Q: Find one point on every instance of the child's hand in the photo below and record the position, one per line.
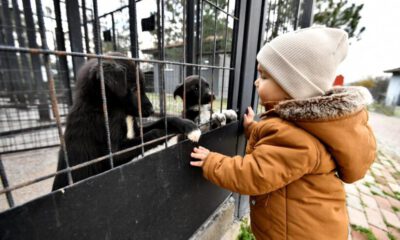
(249, 117)
(201, 154)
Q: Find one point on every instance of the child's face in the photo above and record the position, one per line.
(267, 88)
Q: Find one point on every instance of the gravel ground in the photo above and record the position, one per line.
(25, 166)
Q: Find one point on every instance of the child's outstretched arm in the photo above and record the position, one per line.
(275, 161)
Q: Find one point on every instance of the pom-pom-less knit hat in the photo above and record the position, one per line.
(304, 62)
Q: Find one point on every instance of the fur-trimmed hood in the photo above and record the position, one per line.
(336, 103)
(339, 119)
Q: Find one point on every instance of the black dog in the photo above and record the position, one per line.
(197, 90)
(85, 133)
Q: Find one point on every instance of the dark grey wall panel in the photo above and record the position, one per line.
(158, 197)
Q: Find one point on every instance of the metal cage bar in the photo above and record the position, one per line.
(102, 84)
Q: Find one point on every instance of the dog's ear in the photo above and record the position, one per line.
(114, 77)
(178, 91)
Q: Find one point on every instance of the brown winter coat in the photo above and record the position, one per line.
(296, 159)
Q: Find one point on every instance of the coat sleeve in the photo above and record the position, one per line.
(276, 161)
(249, 129)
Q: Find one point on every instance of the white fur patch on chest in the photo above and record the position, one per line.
(205, 113)
(130, 133)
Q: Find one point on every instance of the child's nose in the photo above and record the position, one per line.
(256, 83)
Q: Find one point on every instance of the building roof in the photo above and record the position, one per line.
(395, 70)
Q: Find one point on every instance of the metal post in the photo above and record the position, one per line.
(307, 17)
(249, 32)
(43, 107)
(15, 79)
(296, 14)
(75, 33)
(21, 41)
(4, 74)
(133, 28)
(96, 32)
(189, 35)
(113, 32)
(198, 40)
(161, 54)
(85, 27)
(64, 73)
(4, 180)
(99, 50)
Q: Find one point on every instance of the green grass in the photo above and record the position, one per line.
(390, 225)
(396, 209)
(381, 108)
(395, 195)
(367, 184)
(245, 231)
(396, 175)
(375, 193)
(390, 236)
(367, 232)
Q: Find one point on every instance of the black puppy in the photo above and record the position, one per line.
(85, 133)
(197, 90)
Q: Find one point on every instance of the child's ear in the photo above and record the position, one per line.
(178, 91)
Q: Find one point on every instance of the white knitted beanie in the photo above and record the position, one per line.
(304, 62)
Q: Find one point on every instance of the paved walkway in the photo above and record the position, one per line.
(374, 202)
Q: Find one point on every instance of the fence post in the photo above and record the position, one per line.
(64, 73)
(43, 106)
(133, 29)
(4, 180)
(75, 33)
(308, 12)
(250, 30)
(189, 35)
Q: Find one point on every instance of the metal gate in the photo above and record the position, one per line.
(158, 196)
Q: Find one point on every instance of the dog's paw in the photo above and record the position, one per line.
(230, 115)
(220, 118)
(194, 135)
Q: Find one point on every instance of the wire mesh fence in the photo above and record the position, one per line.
(44, 44)
(38, 72)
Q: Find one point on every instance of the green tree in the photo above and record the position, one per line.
(283, 16)
(340, 14)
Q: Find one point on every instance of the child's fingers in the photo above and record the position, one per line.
(197, 155)
(251, 112)
(200, 150)
(197, 163)
(205, 149)
(196, 150)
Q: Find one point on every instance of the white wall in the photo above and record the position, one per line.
(393, 91)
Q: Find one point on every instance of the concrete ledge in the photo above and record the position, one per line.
(218, 224)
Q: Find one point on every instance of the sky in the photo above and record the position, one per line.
(379, 47)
